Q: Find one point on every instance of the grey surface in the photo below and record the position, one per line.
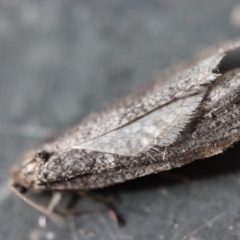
(63, 59)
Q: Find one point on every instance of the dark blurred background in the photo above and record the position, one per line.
(60, 60)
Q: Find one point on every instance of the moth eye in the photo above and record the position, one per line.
(20, 188)
(30, 168)
(43, 155)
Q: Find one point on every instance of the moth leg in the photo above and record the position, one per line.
(96, 198)
(107, 202)
(53, 216)
(69, 210)
(55, 200)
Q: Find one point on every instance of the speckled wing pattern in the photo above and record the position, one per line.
(160, 99)
(160, 127)
(154, 117)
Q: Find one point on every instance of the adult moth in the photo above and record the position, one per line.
(178, 118)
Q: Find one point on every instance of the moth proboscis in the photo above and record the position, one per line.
(176, 119)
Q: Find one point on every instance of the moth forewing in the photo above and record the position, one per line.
(154, 129)
(137, 104)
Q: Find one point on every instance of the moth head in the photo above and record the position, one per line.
(24, 175)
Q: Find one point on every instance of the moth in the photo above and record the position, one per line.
(176, 119)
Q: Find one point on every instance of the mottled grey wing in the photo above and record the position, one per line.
(155, 114)
(154, 96)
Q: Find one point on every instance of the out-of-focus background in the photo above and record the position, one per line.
(60, 60)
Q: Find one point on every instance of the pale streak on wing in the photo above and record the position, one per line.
(159, 93)
(160, 127)
(169, 87)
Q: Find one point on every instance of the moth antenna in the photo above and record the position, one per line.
(53, 216)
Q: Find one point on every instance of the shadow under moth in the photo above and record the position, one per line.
(178, 118)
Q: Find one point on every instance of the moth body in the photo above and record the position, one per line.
(175, 120)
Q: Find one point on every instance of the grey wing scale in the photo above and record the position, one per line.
(139, 104)
(160, 127)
